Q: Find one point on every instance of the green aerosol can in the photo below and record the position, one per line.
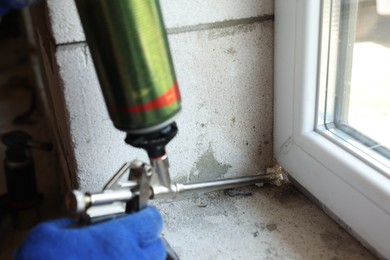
(130, 50)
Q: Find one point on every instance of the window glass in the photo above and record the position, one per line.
(354, 81)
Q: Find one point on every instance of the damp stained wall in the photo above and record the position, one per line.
(223, 56)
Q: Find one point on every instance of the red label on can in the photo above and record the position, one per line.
(168, 98)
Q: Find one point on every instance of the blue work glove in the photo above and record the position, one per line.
(135, 236)
(8, 5)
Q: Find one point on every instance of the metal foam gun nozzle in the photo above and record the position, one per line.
(152, 182)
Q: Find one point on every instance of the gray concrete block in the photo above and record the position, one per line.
(225, 127)
(67, 28)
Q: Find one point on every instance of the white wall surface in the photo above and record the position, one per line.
(67, 27)
(223, 55)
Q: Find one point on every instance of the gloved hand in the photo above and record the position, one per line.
(135, 236)
(7, 5)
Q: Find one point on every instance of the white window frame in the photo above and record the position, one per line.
(348, 188)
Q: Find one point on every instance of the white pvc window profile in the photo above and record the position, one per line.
(338, 38)
(349, 188)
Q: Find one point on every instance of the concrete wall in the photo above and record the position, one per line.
(223, 55)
